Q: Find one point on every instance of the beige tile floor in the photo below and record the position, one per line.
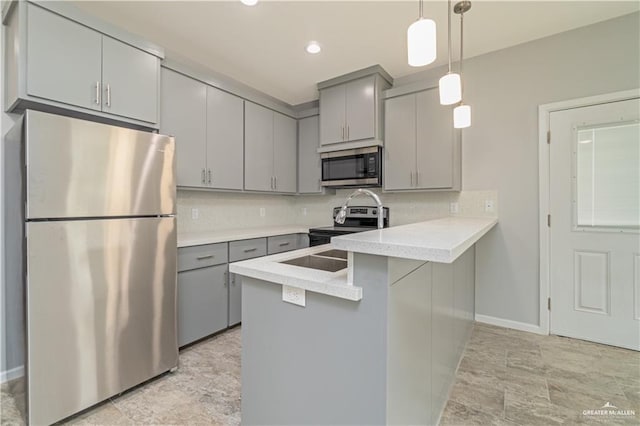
(506, 377)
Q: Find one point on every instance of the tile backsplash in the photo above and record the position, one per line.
(220, 210)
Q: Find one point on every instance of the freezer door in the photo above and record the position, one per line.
(101, 310)
(78, 168)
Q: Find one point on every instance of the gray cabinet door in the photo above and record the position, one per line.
(184, 115)
(435, 140)
(235, 299)
(64, 59)
(202, 303)
(309, 164)
(285, 154)
(332, 115)
(360, 109)
(258, 147)
(130, 80)
(400, 143)
(225, 140)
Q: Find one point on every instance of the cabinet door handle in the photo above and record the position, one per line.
(226, 279)
(275, 182)
(203, 176)
(417, 178)
(411, 174)
(97, 93)
(342, 132)
(347, 132)
(108, 95)
(284, 244)
(208, 256)
(209, 176)
(233, 279)
(249, 250)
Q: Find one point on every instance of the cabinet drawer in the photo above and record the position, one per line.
(200, 256)
(281, 243)
(247, 249)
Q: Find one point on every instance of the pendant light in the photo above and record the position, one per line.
(450, 84)
(461, 113)
(421, 41)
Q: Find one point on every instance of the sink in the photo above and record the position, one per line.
(318, 262)
(338, 254)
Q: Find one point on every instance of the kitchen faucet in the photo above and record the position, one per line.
(342, 214)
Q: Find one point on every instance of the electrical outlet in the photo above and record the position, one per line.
(263, 212)
(488, 205)
(294, 295)
(195, 214)
(454, 208)
(304, 211)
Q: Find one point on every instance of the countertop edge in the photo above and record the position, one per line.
(212, 237)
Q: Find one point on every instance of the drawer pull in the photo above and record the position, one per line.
(284, 244)
(249, 250)
(209, 256)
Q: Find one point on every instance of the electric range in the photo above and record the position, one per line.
(359, 219)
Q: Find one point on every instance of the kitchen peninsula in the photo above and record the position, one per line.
(375, 339)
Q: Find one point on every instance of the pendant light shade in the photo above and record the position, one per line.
(450, 89)
(421, 42)
(462, 116)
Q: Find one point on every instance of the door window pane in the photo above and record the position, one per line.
(607, 188)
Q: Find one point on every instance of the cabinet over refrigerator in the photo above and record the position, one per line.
(91, 249)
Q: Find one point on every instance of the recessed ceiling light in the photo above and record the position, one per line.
(249, 2)
(313, 47)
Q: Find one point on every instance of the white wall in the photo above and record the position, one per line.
(500, 150)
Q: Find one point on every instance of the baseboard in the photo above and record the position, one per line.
(14, 373)
(515, 325)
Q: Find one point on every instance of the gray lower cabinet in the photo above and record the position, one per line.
(241, 250)
(208, 126)
(422, 149)
(202, 291)
(58, 62)
(202, 303)
(282, 243)
(270, 150)
(309, 163)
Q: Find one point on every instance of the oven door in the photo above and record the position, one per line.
(354, 167)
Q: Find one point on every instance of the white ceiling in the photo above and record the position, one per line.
(263, 46)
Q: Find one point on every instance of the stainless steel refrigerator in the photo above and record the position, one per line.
(91, 249)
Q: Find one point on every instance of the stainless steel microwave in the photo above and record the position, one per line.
(352, 167)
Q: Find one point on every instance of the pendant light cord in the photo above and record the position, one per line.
(449, 28)
(461, 54)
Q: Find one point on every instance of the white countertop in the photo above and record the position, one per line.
(199, 238)
(269, 269)
(438, 240)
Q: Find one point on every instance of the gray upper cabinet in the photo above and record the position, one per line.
(52, 62)
(351, 108)
(309, 165)
(208, 126)
(270, 150)
(225, 136)
(284, 153)
(64, 60)
(183, 114)
(258, 141)
(422, 149)
(332, 111)
(361, 109)
(130, 79)
(400, 142)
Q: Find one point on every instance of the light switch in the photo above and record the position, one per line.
(263, 212)
(454, 208)
(195, 214)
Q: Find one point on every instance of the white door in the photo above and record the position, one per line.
(595, 223)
